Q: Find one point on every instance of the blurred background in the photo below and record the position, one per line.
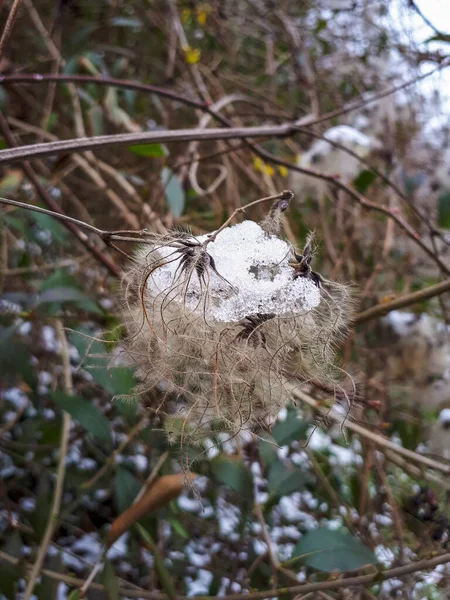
(92, 493)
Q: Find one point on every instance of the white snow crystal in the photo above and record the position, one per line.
(119, 548)
(199, 585)
(332, 160)
(444, 415)
(255, 277)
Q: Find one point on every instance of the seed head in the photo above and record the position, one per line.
(216, 326)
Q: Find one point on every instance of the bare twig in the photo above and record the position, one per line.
(56, 505)
(414, 6)
(151, 478)
(9, 25)
(111, 460)
(379, 440)
(48, 200)
(36, 78)
(37, 150)
(303, 588)
(286, 195)
(126, 139)
(385, 307)
(69, 262)
(10, 424)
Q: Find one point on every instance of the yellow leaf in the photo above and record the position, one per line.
(258, 164)
(387, 298)
(191, 55)
(268, 170)
(283, 171)
(201, 17)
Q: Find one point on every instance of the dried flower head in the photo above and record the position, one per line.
(216, 323)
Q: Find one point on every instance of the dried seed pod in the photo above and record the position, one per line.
(215, 323)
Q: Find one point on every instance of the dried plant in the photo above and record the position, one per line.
(216, 322)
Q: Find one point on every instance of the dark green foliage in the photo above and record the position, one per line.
(332, 550)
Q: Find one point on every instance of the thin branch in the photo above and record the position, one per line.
(108, 236)
(55, 215)
(385, 307)
(286, 129)
(286, 195)
(36, 78)
(362, 200)
(425, 19)
(57, 497)
(49, 201)
(9, 25)
(68, 262)
(379, 440)
(111, 460)
(31, 151)
(333, 584)
(151, 478)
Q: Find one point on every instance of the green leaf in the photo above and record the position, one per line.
(178, 528)
(440, 37)
(364, 180)
(43, 504)
(444, 210)
(62, 279)
(95, 359)
(15, 223)
(332, 550)
(126, 488)
(48, 587)
(15, 358)
(290, 430)
(321, 24)
(151, 150)
(50, 432)
(173, 191)
(10, 182)
(95, 116)
(85, 413)
(233, 473)
(59, 233)
(59, 295)
(59, 278)
(283, 480)
(51, 121)
(267, 450)
(411, 432)
(110, 581)
(10, 574)
(162, 571)
(74, 595)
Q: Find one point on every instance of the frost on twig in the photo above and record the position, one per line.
(216, 322)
